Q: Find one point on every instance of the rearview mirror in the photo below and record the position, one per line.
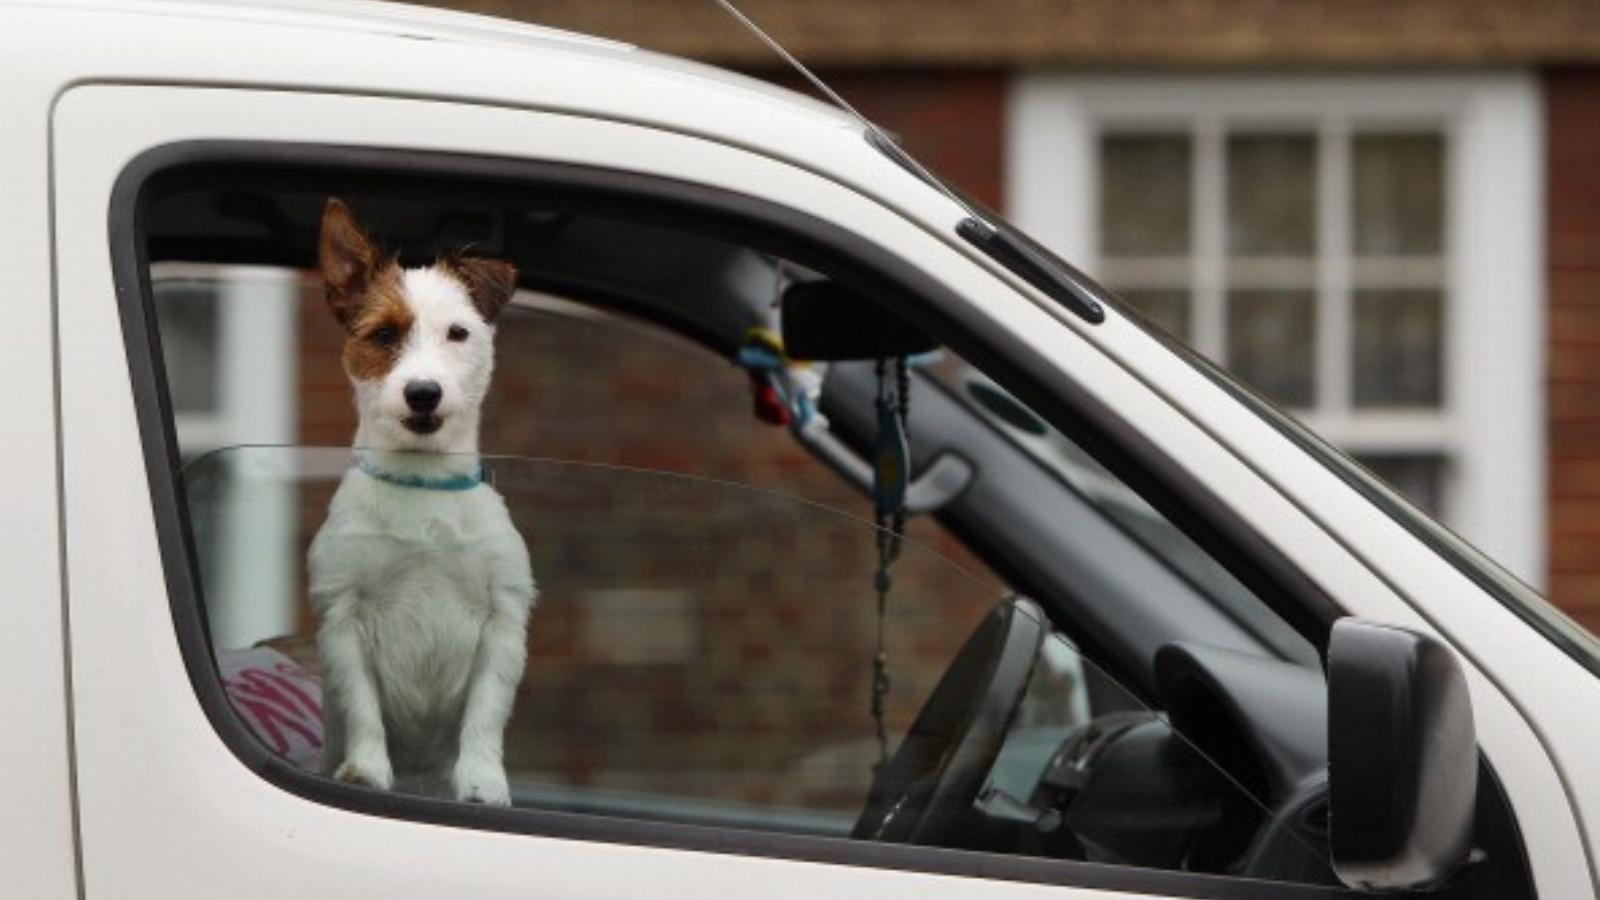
(827, 321)
(1402, 758)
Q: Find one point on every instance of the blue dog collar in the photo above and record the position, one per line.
(453, 483)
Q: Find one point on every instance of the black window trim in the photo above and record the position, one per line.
(1143, 464)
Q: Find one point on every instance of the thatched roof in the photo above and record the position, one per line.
(1098, 33)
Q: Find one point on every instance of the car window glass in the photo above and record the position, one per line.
(702, 652)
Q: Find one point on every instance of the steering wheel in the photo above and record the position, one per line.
(925, 792)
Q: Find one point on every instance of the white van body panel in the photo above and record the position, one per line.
(37, 841)
(90, 86)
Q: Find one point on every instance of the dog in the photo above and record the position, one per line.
(421, 583)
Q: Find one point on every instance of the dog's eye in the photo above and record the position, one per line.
(457, 333)
(385, 336)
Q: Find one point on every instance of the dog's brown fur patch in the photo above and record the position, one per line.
(489, 282)
(378, 326)
(364, 293)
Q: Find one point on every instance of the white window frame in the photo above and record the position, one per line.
(1491, 428)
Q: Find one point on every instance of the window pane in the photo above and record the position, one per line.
(1169, 310)
(1419, 478)
(699, 651)
(1144, 195)
(1399, 194)
(1271, 195)
(1399, 337)
(703, 653)
(1271, 335)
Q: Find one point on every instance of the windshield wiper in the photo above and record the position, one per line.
(1028, 261)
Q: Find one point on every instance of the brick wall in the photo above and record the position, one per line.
(1572, 99)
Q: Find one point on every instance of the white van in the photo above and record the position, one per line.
(1143, 635)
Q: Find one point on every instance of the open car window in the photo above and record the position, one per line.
(1053, 675)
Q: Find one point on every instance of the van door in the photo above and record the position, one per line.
(170, 794)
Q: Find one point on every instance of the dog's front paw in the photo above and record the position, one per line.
(482, 781)
(369, 769)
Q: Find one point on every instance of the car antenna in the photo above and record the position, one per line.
(879, 138)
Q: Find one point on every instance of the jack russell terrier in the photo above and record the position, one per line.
(422, 584)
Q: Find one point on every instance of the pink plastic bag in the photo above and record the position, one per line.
(280, 702)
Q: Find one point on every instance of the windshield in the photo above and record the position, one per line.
(1575, 640)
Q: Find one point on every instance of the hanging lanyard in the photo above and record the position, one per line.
(891, 468)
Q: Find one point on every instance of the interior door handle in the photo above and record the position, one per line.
(941, 481)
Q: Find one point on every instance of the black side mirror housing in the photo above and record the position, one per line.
(1402, 758)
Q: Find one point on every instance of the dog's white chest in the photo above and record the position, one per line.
(417, 570)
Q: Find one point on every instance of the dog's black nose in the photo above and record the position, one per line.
(423, 396)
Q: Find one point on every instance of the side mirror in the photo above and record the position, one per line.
(1402, 758)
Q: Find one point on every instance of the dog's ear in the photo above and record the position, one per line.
(347, 258)
(490, 282)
